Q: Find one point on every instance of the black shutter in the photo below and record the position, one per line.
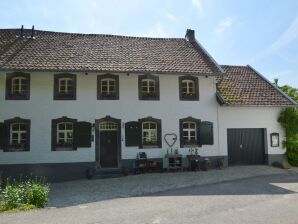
(157, 87)
(181, 133)
(2, 136)
(133, 135)
(54, 135)
(159, 140)
(82, 134)
(206, 133)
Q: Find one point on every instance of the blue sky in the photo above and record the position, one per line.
(262, 33)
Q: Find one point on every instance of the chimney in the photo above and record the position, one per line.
(190, 35)
(32, 32)
(22, 31)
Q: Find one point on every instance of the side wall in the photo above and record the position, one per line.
(252, 117)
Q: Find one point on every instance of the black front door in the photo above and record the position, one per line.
(246, 146)
(108, 149)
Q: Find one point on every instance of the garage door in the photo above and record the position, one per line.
(246, 146)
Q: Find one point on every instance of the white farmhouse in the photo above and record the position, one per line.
(72, 101)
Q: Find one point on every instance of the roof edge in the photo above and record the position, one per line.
(210, 57)
(275, 87)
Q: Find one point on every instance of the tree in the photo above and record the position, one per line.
(289, 90)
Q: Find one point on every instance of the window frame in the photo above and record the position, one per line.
(158, 143)
(149, 96)
(183, 143)
(55, 144)
(57, 79)
(195, 96)
(9, 85)
(9, 146)
(100, 95)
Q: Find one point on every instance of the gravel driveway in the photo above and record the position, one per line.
(86, 191)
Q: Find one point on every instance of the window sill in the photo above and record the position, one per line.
(64, 149)
(150, 146)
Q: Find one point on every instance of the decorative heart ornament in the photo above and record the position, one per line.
(170, 139)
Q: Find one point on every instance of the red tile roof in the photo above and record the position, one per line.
(53, 51)
(242, 85)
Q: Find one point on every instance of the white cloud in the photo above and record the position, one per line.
(224, 25)
(156, 31)
(285, 39)
(172, 17)
(199, 5)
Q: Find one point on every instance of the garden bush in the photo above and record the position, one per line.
(24, 194)
(288, 119)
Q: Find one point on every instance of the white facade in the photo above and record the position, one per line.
(41, 109)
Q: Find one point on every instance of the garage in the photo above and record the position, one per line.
(246, 146)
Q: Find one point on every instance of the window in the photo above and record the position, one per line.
(63, 134)
(64, 87)
(17, 132)
(108, 126)
(188, 88)
(18, 86)
(148, 87)
(189, 132)
(108, 87)
(150, 132)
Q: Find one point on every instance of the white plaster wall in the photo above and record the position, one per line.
(250, 117)
(41, 109)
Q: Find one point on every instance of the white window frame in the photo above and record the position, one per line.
(19, 133)
(65, 133)
(67, 85)
(188, 91)
(20, 86)
(147, 86)
(189, 130)
(152, 132)
(108, 126)
(108, 91)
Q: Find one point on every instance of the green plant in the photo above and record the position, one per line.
(288, 119)
(24, 194)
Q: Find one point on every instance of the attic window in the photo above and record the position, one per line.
(18, 86)
(64, 87)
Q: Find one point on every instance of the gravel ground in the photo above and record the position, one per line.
(86, 191)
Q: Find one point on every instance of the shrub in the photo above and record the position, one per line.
(24, 194)
(288, 119)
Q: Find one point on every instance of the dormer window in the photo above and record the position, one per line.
(18, 86)
(188, 88)
(64, 87)
(108, 87)
(148, 87)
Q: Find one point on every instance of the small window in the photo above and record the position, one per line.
(17, 134)
(63, 134)
(64, 87)
(148, 87)
(150, 132)
(108, 87)
(108, 126)
(189, 88)
(18, 86)
(189, 132)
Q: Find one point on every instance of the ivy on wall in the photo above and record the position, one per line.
(288, 119)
